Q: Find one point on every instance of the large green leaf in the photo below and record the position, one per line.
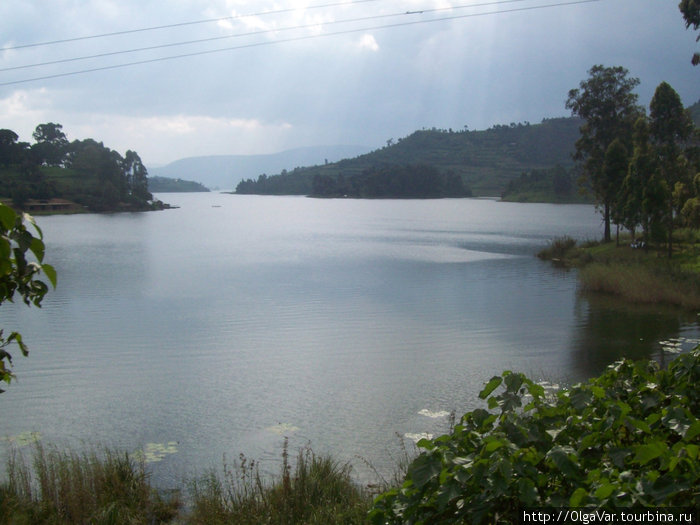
(7, 217)
(492, 385)
(643, 454)
(425, 468)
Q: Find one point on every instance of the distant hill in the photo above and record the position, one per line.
(226, 171)
(166, 185)
(485, 160)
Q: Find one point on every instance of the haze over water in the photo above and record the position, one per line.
(233, 321)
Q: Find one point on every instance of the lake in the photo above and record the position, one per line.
(351, 325)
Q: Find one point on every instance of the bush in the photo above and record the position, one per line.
(627, 438)
(558, 249)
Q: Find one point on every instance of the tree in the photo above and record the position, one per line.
(691, 13)
(670, 128)
(136, 177)
(8, 147)
(608, 105)
(615, 167)
(640, 191)
(19, 276)
(51, 144)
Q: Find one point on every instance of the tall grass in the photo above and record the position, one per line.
(69, 488)
(642, 283)
(318, 490)
(112, 488)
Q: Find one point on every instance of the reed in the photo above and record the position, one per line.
(318, 490)
(642, 283)
(61, 487)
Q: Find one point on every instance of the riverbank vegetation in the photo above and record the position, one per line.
(54, 174)
(628, 438)
(633, 270)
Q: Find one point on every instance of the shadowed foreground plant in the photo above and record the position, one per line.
(627, 438)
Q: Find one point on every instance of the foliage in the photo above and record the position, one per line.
(165, 185)
(83, 171)
(691, 14)
(20, 275)
(486, 160)
(608, 105)
(556, 184)
(627, 438)
(69, 488)
(318, 491)
(411, 181)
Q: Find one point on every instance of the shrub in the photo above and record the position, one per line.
(627, 438)
(558, 249)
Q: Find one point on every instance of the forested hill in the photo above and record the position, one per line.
(485, 160)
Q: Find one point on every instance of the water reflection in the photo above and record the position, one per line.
(609, 329)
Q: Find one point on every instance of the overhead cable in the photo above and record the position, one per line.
(257, 33)
(293, 39)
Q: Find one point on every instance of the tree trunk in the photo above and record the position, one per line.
(606, 219)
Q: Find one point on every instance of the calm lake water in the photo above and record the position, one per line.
(224, 325)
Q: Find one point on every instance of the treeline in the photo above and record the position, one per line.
(83, 171)
(168, 185)
(644, 170)
(402, 182)
(556, 184)
(486, 160)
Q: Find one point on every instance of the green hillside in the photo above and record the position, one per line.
(485, 160)
(168, 185)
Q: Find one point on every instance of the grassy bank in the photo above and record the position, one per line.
(640, 275)
(49, 486)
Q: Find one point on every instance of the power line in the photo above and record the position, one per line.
(181, 24)
(294, 39)
(255, 33)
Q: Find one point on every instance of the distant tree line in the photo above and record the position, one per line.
(83, 170)
(644, 170)
(403, 182)
(557, 184)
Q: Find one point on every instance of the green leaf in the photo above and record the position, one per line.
(604, 491)
(693, 431)
(495, 444)
(645, 453)
(598, 392)
(50, 273)
(492, 385)
(577, 497)
(37, 248)
(425, 468)
(7, 217)
(560, 457)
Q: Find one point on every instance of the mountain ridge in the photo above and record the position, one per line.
(226, 171)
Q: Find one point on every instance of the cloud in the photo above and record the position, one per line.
(368, 41)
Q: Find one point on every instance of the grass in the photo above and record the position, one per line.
(634, 274)
(68, 488)
(318, 490)
(110, 487)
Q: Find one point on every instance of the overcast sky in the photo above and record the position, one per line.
(282, 82)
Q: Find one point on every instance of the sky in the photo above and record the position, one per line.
(272, 75)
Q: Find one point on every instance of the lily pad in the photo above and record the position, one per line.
(154, 452)
(23, 439)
